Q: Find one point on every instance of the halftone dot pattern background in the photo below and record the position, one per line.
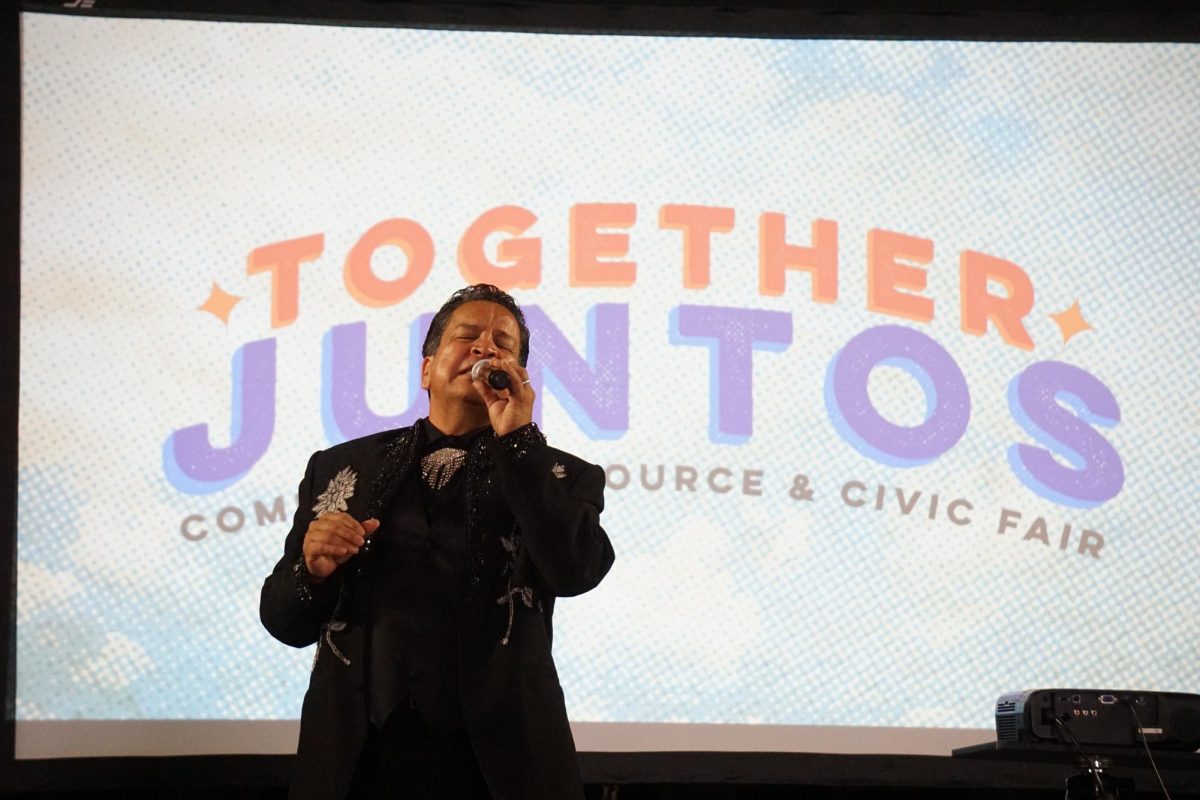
(157, 154)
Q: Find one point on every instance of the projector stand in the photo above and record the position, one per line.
(1094, 784)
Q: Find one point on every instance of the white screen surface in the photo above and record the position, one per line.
(900, 270)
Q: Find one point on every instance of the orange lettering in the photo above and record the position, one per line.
(885, 274)
(588, 244)
(978, 305)
(698, 224)
(776, 256)
(520, 260)
(283, 260)
(371, 290)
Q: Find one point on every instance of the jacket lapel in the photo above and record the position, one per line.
(399, 459)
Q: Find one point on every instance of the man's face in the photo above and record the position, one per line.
(478, 329)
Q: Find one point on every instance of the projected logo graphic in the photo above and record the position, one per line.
(1058, 405)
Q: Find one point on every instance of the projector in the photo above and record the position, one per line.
(1086, 717)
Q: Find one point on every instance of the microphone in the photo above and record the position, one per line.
(497, 378)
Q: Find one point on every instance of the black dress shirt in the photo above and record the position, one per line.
(418, 584)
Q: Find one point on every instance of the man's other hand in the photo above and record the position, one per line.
(332, 540)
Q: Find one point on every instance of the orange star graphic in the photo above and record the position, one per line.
(1071, 322)
(220, 303)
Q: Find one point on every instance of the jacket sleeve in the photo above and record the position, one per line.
(291, 606)
(557, 510)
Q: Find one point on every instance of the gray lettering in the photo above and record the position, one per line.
(685, 476)
(1008, 519)
(712, 480)
(846, 487)
(1090, 543)
(952, 511)
(275, 513)
(185, 528)
(237, 514)
(1038, 531)
(612, 470)
(906, 508)
(655, 486)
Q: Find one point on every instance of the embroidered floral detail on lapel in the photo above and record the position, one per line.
(341, 489)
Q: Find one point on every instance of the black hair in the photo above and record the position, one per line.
(479, 291)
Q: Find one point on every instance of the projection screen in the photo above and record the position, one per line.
(888, 349)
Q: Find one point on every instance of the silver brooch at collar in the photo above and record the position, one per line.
(439, 467)
(559, 471)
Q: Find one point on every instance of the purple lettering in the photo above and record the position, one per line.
(593, 390)
(947, 399)
(344, 408)
(1035, 399)
(192, 464)
(731, 336)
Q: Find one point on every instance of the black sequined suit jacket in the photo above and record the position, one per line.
(532, 534)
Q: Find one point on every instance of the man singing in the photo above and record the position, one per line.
(424, 562)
